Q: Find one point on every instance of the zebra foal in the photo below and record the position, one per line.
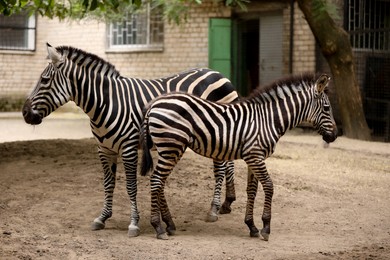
(114, 104)
(248, 130)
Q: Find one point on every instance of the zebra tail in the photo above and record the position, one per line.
(146, 144)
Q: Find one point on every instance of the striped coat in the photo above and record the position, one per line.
(247, 130)
(114, 104)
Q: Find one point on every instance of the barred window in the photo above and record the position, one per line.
(141, 31)
(369, 24)
(17, 32)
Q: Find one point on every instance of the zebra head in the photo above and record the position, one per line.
(321, 114)
(50, 92)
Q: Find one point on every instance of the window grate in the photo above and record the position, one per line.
(17, 32)
(142, 30)
(369, 24)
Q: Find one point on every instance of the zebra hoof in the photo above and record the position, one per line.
(264, 235)
(133, 231)
(97, 224)
(163, 236)
(225, 209)
(212, 217)
(171, 232)
(254, 234)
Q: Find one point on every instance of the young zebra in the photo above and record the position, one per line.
(247, 130)
(115, 104)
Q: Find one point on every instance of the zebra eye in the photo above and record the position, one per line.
(45, 80)
(326, 108)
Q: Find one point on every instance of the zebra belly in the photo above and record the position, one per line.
(127, 137)
(225, 155)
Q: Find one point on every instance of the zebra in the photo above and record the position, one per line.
(248, 129)
(115, 105)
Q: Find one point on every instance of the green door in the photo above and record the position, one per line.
(220, 36)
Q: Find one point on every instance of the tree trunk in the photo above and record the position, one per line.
(336, 48)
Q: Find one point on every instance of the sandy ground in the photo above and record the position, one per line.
(329, 203)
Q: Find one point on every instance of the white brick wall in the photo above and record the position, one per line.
(304, 44)
(185, 46)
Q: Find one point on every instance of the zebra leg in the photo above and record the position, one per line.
(165, 214)
(130, 159)
(108, 160)
(219, 173)
(230, 190)
(157, 182)
(260, 174)
(251, 191)
(159, 207)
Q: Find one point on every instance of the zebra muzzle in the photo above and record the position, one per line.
(30, 116)
(330, 136)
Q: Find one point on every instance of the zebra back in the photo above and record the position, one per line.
(230, 131)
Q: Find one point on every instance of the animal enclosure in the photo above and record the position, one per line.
(328, 203)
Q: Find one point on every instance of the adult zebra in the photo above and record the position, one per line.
(114, 105)
(247, 130)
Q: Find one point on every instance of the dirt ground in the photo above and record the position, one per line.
(329, 203)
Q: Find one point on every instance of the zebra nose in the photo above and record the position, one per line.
(30, 116)
(26, 108)
(331, 135)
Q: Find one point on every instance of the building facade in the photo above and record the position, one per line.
(267, 41)
(178, 48)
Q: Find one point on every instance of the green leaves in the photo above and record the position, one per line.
(239, 3)
(12, 6)
(174, 10)
(322, 7)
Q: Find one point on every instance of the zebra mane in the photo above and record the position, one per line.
(80, 56)
(293, 81)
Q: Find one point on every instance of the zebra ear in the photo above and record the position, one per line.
(53, 54)
(322, 83)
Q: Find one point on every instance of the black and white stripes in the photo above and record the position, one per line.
(247, 130)
(115, 105)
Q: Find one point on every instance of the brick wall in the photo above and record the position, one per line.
(304, 44)
(20, 70)
(185, 46)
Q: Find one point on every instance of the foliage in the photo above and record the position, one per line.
(11, 104)
(174, 10)
(323, 7)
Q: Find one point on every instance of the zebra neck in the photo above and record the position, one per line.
(92, 91)
(89, 78)
(285, 107)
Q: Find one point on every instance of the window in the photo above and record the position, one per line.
(369, 24)
(141, 31)
(17, 32)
